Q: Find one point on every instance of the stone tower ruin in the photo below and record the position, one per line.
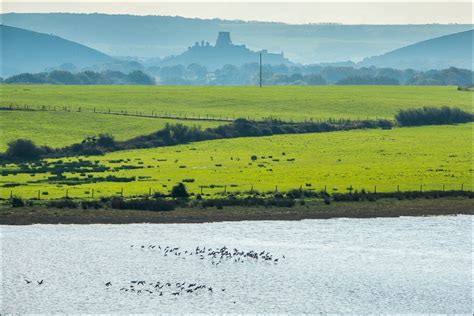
(223, 39)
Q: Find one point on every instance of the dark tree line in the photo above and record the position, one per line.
(23, 149)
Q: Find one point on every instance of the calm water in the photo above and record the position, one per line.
(399, 265)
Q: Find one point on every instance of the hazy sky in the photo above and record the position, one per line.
(347, 12)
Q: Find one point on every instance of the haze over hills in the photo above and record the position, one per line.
(27, 51)
(454, 50)
(161, 36)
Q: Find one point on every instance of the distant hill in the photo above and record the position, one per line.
(454, 50)
(27, 51)
(161, 36)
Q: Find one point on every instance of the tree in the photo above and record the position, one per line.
(179, 191)
(23, 149)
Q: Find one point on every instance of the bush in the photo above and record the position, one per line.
(17, 202)
(64, 203)
(179, 191)
(157, 205)
(433, 116)
(23, 149)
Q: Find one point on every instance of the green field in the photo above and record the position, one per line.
(58, 129)
(285, 102)
(408, 157)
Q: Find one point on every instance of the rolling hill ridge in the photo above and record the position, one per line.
(454, 50)
(27, 51)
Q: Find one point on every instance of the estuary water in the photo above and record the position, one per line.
(381, 265)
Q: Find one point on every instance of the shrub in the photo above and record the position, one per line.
(17, 202)
(433, 116)
(106, 140)
(64, 203)
(23, 149)
(157, 205)
(179, 191)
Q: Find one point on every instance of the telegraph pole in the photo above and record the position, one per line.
(260, 70)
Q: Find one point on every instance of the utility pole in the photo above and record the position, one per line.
(260, 70)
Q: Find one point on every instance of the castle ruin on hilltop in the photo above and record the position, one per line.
(222, 53)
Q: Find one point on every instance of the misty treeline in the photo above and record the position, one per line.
(62, 77)
(247, 74)
(24, 149)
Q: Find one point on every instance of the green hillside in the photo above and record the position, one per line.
(57, 129)
(285, 102)
(408, 157)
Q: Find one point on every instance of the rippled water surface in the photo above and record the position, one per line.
(342, 265)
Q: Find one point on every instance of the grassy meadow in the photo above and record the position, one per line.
(57, 129)
(284, 102)
(431, 156)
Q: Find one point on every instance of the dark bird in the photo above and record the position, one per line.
(27, 281)
(108, 284)
(40, 282)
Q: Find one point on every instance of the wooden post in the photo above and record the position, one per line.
(251, 189)
(92, 193)
(121, 192)
(39, 192)
(276, 188)
(443, 187)
(225, 188)
(67, 192)
(201, 188)
(325, 188)
(375, 189)
(11, 194)
(398, 188)
(421, 187)
(149, 191)
(462, 187)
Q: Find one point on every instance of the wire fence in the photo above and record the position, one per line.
(175, 115)
(212, 190)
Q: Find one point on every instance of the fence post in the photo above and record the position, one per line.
(375, 189)
(443, 187)
(149, 191)
(462, 187)
(421, 187)
(398, 188)
(11, 194)
(325, 189)
(92, 193)
(121, 192)
(276, 188)
(201, 188)
(67, 193)
(39, 194)
(225, 188)
(251, 189)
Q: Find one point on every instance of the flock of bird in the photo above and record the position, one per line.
(216, 255)
(165, 288)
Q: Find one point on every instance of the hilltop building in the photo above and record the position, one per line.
(222, 53)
